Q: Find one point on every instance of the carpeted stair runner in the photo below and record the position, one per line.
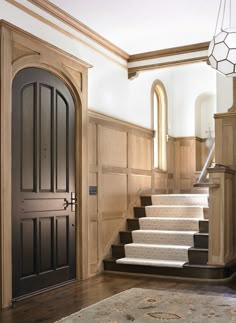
(163, 237)
(167, 231)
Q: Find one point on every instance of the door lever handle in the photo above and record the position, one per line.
(67, 203)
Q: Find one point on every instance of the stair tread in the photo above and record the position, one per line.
(180, 195)
(187, 264)
(166, 231)
(151, 262)
(152, 246)
(170, 218)
(176, 206)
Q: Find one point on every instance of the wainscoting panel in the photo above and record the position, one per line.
(228, 133)
(93, 200)
(112, 147)
(137, 184)
(120, 156)
(160, 180)
(92, 143)
(114, 194)
(198, 155)
(93, 242)
(140, 152)
(185, 163)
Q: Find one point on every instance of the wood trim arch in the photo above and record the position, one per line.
(19, 50)
(159, 88)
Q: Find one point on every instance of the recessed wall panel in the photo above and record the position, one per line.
(114, 193)
(112, 147)
(28, 231)
(27, 137)
(92, 143)
(139, 152)
(62, 242)
(137, 184)
(46, 244)
(45, 135)
(61, 144)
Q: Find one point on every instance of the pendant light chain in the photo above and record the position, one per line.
(223, 16)
(218, 17)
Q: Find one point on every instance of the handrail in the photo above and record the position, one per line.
(207, 164)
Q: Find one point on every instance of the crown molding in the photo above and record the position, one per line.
(10, 26)
(136, 60)
(133, 71)
(66, 18)
(169, 52)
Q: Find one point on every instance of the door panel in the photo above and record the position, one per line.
(43, 168)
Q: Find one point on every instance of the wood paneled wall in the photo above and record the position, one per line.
(120, 167)
(222, 214)
(185, 159)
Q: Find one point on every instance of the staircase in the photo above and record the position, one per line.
(168, 236)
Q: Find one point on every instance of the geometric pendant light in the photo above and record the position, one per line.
(222, 48)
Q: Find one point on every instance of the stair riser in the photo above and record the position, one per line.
(156, 253)
(178, 212)
(162, 238)
(133, 224)
(118, 251)
(203, 226)
(126, 237)
(198, 257)
(139, 212)
(201, 241)
(146, 200)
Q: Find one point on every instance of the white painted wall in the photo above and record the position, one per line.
(224, 87)
(109, 90)
(205, 108)
(108, 81)
(183, 85)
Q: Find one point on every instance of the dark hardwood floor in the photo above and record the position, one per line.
(61, 302)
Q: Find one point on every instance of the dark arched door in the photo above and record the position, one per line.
(43, 184)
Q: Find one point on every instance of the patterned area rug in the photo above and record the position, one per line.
(145, 305)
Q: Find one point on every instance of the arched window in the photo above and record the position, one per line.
(159, 124)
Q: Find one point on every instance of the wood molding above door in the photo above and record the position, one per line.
(19, 50)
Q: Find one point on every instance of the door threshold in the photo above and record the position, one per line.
(41, 291)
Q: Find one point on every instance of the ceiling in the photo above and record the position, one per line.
(138, 26)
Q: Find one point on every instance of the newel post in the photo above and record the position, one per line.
(222, 192)
(222, 224)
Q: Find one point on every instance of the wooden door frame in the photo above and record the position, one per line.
(18, 50)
